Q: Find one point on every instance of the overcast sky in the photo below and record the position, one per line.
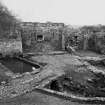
(74, 12)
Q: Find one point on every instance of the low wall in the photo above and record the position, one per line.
(10, 47)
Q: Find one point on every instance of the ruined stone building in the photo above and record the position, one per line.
(42, 37)
(33, 37)
(11, 42)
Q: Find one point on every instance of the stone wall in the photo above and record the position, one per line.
(97, 42)
(10, 47)
(51, 36)
(11, 43)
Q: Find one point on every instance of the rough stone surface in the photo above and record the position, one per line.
(42, 37)
(10, 47)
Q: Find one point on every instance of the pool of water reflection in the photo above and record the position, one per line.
(17, 66)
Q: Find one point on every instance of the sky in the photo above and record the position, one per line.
(74, 12)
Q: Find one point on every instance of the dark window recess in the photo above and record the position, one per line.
(40, 37)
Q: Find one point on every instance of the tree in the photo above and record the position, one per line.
(7, 21)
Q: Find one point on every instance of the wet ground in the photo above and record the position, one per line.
(79, 79)
(59, 65)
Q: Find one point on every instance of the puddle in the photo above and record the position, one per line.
(17, 66)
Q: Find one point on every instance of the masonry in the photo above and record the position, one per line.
(33, 37)
(42, 37)
(11, 44)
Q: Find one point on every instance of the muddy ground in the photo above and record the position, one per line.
(39, 98)
(81, 79)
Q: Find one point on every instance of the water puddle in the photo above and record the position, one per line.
(17, 66)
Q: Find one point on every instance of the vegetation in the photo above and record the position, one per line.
(7, 21)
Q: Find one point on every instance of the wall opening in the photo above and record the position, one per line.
(39, 37)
